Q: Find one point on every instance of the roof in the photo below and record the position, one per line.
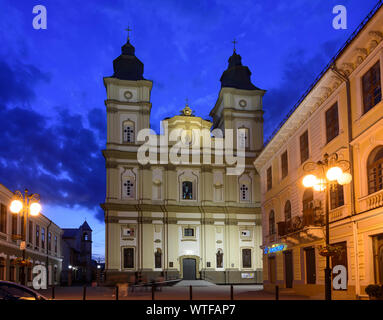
(85, 226)
(70, 233)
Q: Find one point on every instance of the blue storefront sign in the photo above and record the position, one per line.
(274, 248)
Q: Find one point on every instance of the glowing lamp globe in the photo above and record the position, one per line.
(35, 209)
(16, 206)
(309, 181)
(345, 178)
(334, 173)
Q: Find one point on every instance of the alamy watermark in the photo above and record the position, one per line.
(40, 20)
(340, 20)
(178, 146)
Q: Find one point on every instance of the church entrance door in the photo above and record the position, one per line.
(188, 269)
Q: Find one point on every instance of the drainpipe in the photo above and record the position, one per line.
(346, 79)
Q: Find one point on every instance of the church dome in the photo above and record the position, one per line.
(127, 66)
(236, 75)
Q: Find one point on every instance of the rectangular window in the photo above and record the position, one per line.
(56, 244)
(332, 122)
(14, 224)
(285, 164)
(310, 266)
(246, 258)
(42, 238)
(37, 235)
(377, 242)
(269, 178)
(3, 218)
(336, 196)
(157, 259)
(188, 232)
(372, 93)
(49, 241)
(30, 231)
(128, 258)
(304, 146)
(187, 190)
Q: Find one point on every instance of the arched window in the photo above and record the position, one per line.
(375, 170)
(129, 188)
(219, 258)
(244, 192)
(187, 190)
(128, 131)
(271, 222)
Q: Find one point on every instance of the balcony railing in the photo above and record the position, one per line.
(308, 219)
(372, 201)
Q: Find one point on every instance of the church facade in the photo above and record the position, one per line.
(191, 216)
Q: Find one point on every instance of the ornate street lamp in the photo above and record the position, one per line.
(25, 205)
(323, 176)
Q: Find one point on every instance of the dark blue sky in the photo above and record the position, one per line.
(52, 113)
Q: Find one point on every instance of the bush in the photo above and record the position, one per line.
(374, 290)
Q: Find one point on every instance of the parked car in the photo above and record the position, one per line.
(13, 291)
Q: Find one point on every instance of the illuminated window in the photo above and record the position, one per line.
(375, 170)
(187, 190)
(372, 93)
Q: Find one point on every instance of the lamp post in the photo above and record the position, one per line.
(25, 205)
(328, 173)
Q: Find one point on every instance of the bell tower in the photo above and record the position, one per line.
(239, 104)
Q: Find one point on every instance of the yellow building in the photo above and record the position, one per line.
(342, 113)
(186, 217)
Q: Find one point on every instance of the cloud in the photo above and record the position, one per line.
(60, 159)
(299, 72)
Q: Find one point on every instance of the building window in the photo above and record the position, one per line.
(128, 131)
(372, 92)
(271, 223)
(336, 196)
(37, 235)
(219, 259)
(129, 188)
(42, 238)
(187, 190)
(188, 232)
(377, 242)
(244, 192)
(85, 237)
(30, 231)
(3, 218)
(269, 178)
(308, 207)
(54, 275)
(332, 123)
(14, 224)
(246, 258)
(304, 146)
(55, 244)
(243, 137)
(288, 211)
(128, 258)
(2, 269)
(158, 259)
(375, 170)
(49, 241)
(12, 271)
(285, 164)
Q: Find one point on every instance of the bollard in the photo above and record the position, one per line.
(153, 289)
(191, 292)
(53, 292)
(84, 293)
(116, 292)
(231, 292)
(276, 292)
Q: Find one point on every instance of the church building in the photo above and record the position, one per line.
(185, 220)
